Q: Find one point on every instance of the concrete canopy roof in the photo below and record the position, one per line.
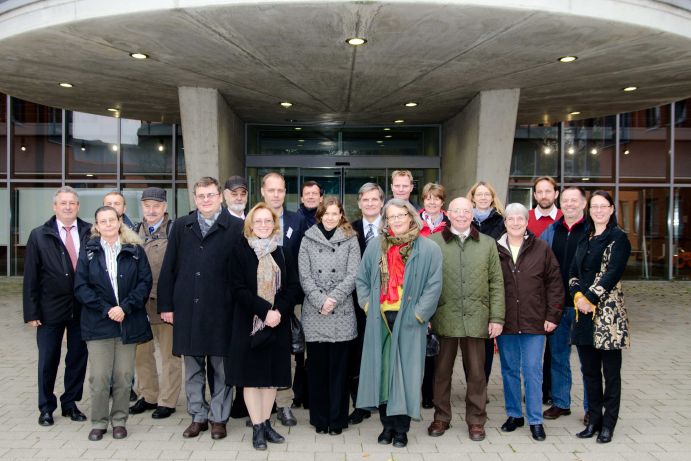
(259, 53)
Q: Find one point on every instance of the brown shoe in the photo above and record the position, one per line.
(554, 412)
(194, 429)
(119, 432)
(218, 431)
(437, 428)
(96, 434)
(476, 432)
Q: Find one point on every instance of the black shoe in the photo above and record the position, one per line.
(605, 435)
(271, 435)
(285, 416)
(335, 431)
(46, 418)
(133, 395)
(141, 406)
(358, 415)
(589, 431)
(322, 430)
(74, 414)
(400, 440)
(512, 423)
(162, 412)
(427, 404)
(258, 437)
(386, 437)
(538, 432)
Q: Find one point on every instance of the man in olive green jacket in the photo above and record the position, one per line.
(471, 309)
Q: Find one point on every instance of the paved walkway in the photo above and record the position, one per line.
(655, 421)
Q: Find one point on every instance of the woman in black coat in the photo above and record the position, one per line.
(265, 289)
(600, 331)
(113, 282)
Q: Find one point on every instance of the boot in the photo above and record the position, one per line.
(259, 437)
(271, 435)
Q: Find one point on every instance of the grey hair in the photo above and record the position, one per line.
(401, 204)
(65, 190)
(369, 186)
(516, 208)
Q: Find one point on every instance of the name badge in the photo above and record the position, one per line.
(290, 232)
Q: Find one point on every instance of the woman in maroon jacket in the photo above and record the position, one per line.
(534, 296)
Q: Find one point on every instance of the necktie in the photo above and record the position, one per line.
(370, 233)
(151, 229)
(463, 237)
(69, 244)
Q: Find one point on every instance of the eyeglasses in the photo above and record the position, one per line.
(599, 207)
(460, 211)
(207, 196)
(398, 217)
(265, 222)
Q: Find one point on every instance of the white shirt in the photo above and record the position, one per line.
(74, 233)
(366, 225)
(464, 234)
(552, 212)
(111, 252)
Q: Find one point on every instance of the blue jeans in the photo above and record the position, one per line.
(560, 351)
(522, 354)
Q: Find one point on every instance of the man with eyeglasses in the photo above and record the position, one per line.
(194, 296)
(471, 310)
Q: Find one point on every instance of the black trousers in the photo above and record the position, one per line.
(596, 364)
(328, 372)
(397, 423)
(49, 341)
(300, 381)
(489, 357)
(355, 355)
(428, 381)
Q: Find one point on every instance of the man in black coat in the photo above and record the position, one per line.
(311, 196)
(370, 202)
(293, 228)
(49, 304)
(194, 295)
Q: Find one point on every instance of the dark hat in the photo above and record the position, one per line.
(234, 182)
(154, 193)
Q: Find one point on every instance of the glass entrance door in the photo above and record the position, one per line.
(344, 183)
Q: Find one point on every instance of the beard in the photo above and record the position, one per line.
(237, 207)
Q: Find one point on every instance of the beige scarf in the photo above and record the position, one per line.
(268, 273)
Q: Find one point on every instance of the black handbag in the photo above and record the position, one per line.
(262, 338)
(432, 345)
(297, 335)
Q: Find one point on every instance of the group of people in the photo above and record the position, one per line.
(217, 289)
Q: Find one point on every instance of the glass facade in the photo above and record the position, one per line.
(642, 158)
(50, 147)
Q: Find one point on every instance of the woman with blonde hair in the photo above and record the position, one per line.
(112, 283)
(265, 289)
(329, 259)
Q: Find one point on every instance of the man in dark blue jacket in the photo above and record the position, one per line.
(49, 304)
(311, 196)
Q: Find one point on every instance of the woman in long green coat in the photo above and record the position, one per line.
(398, 283)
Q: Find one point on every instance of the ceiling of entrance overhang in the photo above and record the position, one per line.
(258, 55)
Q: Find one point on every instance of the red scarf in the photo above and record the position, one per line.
(396, 274)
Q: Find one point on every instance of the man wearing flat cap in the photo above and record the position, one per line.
(235, 195)
(158, 392)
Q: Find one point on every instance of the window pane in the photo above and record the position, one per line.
(590, 148)
(681, 221)
(682, 145)
(254, 177)
(37, 140)
(643, 216)
(3, 139)
(181, 169)
(92, 146)
(146, 149)
(644, 145)
(535, 152)
(183, 201)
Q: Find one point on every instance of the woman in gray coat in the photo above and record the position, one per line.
(328, 261)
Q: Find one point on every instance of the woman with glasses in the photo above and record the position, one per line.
(488, 219)
(398, 284)
(600, 331)
(328, 261)
(263, 279)
(112, 284)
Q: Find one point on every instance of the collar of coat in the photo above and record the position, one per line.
(503, 242)
(94, 245)
(449, 236)
(51, 227)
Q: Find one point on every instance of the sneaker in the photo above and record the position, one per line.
(285, 416)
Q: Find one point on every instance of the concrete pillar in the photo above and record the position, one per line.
(213, 136)
(478, 142)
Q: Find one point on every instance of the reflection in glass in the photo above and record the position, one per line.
(644, 145)
(589, 149)
(37, 140)
(682, 144)
(3, 140)
(292, 199)
(681, 225)
(92, 146)
(535, 152)
(146, 149)
(180, 167)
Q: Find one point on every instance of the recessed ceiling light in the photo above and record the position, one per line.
(630, 88)
(114, 147)
(301, 140)
(286, 104)
(387, 129)
(411, 104)
(379, 141)
(112, 109)
(585, 179)
(297, 128)
(399, 121)
(568, 58)
(571, 151)
(66, 85)
(23, 148)
(575, 112)
(356, 41)
(89, 175)
(627, 152)
(388, 136)
(547, 150)
(593, 151)
(139, 55)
